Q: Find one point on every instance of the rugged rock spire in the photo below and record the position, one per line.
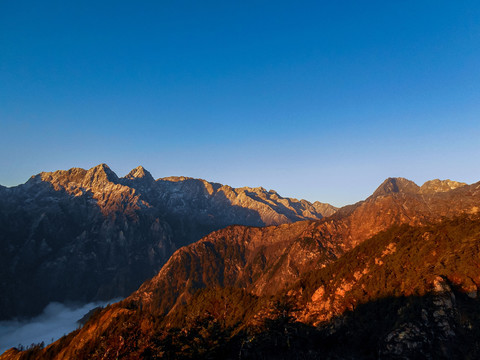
(139, 173)
(100, 175)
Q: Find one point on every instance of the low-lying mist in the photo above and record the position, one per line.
(55, 321)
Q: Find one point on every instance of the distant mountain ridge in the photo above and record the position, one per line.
(81, 235)
(177, 191)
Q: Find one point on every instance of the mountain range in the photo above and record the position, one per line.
(86, 235)
(394, 276)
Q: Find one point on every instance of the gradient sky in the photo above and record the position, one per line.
(319, 100)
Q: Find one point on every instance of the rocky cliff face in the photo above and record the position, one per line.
(83, 235)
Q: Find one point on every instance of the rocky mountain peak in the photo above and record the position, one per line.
(139, 173)
(100, 175)
(396, 185)
(324, 208)
(437, 185)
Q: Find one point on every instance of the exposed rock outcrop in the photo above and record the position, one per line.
(436, 185)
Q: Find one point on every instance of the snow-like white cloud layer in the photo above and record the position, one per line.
(55, 321)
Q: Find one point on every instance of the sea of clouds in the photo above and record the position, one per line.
(55, 321)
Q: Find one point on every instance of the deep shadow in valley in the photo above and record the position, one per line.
(435, 326)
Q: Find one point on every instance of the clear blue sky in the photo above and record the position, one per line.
(319, 100)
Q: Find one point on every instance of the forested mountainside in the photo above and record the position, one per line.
(394, 276)
(82, 235)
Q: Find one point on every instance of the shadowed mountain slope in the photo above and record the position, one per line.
(408, 292)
